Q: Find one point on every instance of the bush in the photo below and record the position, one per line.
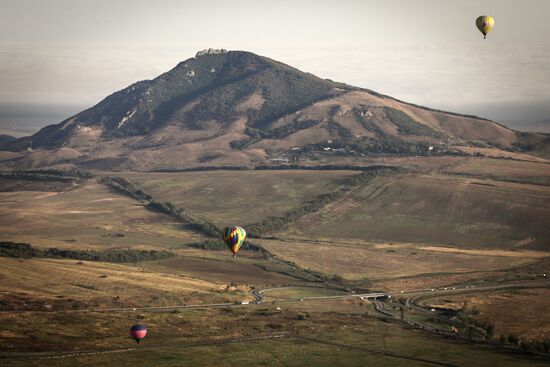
(407, 126)
(337, 278)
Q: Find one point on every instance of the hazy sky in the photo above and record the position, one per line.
(71, 54)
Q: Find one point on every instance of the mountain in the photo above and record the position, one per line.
(238, 108)
(4, 139)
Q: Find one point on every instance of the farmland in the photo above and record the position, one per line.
(434, 208)
(230, 196)
(443, 222)
(448, 210)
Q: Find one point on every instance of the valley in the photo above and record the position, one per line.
(53, 317)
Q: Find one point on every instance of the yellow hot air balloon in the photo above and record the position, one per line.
(485, 23)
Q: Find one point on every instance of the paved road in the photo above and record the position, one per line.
(256, 294)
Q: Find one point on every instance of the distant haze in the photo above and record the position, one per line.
(58, 57)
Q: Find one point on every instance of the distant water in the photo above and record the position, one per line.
(21, 120)
(529, 126)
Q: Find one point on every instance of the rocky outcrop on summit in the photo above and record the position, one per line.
(210, 51)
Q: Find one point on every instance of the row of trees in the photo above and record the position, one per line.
(467, 315)
(198, 225)
(24, 250)
(48, 175)
(540, 346)
(129, 188)
(123, 185)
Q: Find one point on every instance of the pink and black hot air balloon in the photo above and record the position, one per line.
(138, 332)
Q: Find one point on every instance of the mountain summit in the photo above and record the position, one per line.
(237, 108)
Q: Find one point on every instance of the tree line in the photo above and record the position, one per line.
(27, 251)
(123, 185)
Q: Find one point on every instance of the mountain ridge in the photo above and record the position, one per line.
(236, 107)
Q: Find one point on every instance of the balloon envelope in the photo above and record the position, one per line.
(234, 237)
(138, 332)
(485, 23)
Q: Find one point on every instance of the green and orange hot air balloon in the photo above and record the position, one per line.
(234, 237)
(485, 23)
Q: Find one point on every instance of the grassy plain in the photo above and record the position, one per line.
(231, 337)
(467, 202)
(219, 266)
(244, 197)
(85, 216)
(502, 169)
(437, 209)
(409, 265)
(47, 284)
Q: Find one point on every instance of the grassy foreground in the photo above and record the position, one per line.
(232, 337)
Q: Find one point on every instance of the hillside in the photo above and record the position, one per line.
(4, 139)
(238, 108)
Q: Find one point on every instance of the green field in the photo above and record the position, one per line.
(225, 197)
(477, 210)
(437, 209)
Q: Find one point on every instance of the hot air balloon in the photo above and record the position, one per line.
(485, 23)
(138, 332)
(234, 237)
